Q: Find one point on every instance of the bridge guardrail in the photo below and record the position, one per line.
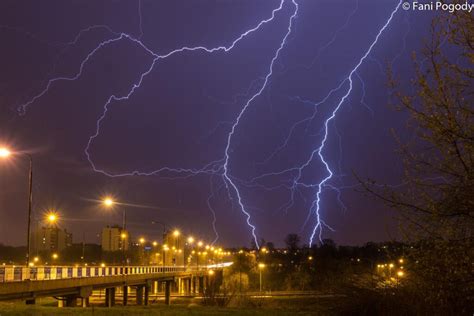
(41, 273)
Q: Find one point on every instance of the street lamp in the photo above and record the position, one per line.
(261, 266)
(109, 202)
(52, 217)
(4, 154)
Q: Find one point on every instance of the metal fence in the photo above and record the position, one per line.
(40, 273)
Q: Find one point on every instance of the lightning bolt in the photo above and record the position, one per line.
(222, 166)
(226, 174)
(319, 151)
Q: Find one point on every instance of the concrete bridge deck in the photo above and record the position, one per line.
(70, 283)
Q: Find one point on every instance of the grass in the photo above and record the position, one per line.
(274, 306)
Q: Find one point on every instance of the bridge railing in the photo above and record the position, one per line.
(40, 273)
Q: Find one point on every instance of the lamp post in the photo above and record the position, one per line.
(109, 202)
(261, 266)
(176, 234)
(4, 154)
(199, 244)
(164, 246)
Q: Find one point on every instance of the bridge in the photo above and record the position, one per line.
(69, 284)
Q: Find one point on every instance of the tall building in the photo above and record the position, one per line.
(114, 238)
(51, 239)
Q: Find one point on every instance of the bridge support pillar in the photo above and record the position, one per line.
(167, 292)
(110, 297)
(84, 294)
(140, 295)
(201, 285)
(194, 284)
(125, 295)
(70, 301)
(85, 301)
(30, 301)
(189, 285)
(147, 294)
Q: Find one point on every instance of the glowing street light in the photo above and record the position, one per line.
(55, 256)
(261, 266)
(4, 152)
(52, 217)
(200, 244)
(141, 240)
(108, 202)
(176, 233)
(190, 240)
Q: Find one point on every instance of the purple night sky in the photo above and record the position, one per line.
(181, 115)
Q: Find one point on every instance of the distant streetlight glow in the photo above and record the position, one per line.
(176, 233)
(4, 152)
(108, 202)
(52, 217)
(190, 240)
(142, 240)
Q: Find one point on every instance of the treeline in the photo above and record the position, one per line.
(298, 267)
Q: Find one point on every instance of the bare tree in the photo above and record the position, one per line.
(437, 203)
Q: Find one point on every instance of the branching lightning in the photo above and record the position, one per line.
(221, 167)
